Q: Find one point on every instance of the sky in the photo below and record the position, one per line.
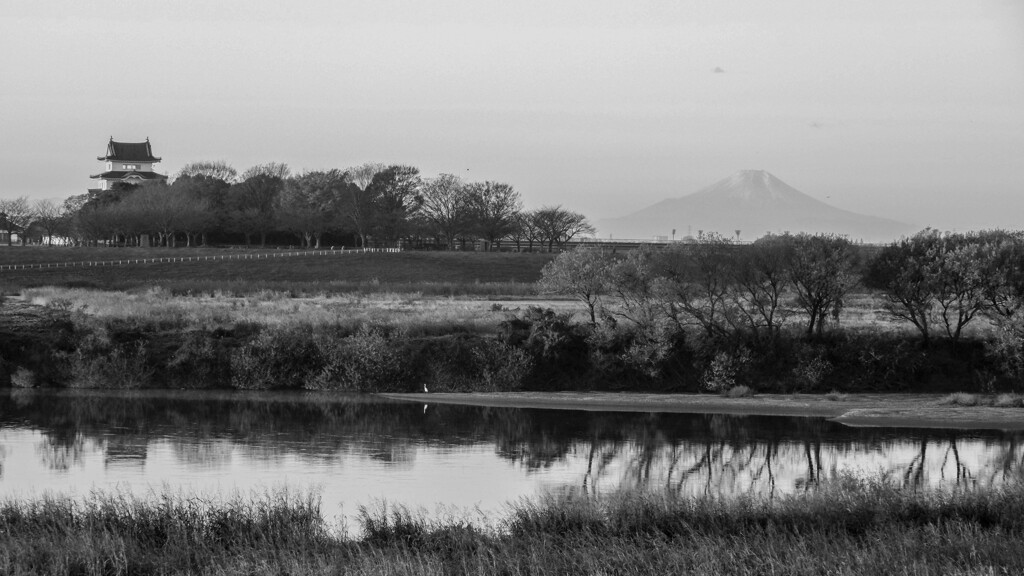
(912, 110)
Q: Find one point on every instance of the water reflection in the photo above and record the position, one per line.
(360, 448)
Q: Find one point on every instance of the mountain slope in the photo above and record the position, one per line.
(754, 202)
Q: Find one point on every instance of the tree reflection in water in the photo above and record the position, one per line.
(602, 451)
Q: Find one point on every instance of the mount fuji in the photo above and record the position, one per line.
(755, 203)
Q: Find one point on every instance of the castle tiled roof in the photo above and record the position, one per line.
(129, 151)
(122, 174)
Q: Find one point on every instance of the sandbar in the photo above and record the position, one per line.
(889, 410)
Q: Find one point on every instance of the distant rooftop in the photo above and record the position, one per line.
(122, 174)
(129, 151)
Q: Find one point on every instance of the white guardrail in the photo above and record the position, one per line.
(169, 259)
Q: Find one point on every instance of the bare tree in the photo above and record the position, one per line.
(905, 271)
(364, 174)
(209, 196)
(158, 208)
(961, 281)
(218, 169)
(16, 215)
(308, 205)
(695, 282)
(760, 277)
(446, 207)
(397, 196)
(821, 271)
(47, 214)
(252, 206)
(68, 226)
(493, 208)
(272, 169)
(1004, 294)
(582, 273)
(557, 225)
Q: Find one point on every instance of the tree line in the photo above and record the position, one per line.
(371, 204)
(939, 282)
(768, 314)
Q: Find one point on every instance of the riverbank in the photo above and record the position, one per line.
(403, 342)
(890, 410)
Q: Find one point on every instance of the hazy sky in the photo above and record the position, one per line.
(912, 109)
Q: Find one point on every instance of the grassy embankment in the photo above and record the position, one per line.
(372, 320)
(424, 273)
(395, 321)
(851, 527)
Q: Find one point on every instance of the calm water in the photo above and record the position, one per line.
(357, 450)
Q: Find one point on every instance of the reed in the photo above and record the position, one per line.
(852, 526)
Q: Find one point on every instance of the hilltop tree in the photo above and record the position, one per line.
(218, 169)
(278, 170)
(362, 176)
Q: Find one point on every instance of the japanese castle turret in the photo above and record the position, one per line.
(130, 162)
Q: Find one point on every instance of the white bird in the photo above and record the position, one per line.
(425, 389)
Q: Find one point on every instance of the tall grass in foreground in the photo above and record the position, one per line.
(851, 527)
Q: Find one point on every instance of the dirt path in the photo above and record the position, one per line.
(894, 410)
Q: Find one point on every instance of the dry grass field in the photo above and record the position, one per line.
(411, 312)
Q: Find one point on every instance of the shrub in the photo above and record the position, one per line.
(558, 347)
(1009, 401)
(739, 392)
(23, 378)
(1006, 351)
(501, 367)
(276, 358)
(836, 396)
(371, 360)
(960, 399)
(725, 367)
(656, 355)
(94, 365)
(812, 368)
(626, 353)
(201, 361)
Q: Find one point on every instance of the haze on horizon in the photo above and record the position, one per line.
(911, 110)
